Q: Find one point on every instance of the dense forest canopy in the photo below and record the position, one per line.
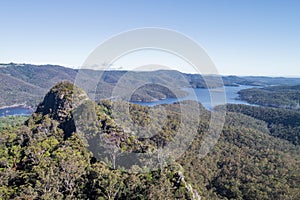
(47, 157)
(282, 96)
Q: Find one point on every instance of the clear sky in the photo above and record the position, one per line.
(255, 37)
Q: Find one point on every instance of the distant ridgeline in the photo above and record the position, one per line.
(284, 96)
(26, 83)
(47, 157)
(282, 123)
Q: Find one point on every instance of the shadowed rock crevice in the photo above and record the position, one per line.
(59, 103)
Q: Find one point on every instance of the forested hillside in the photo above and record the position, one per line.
(282, 96)
(282, 123)
(51, 157)
(46, 158)
(11, 121)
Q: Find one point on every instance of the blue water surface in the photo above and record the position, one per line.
(208, 98)
(15, 111)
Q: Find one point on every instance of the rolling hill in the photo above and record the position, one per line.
(26, 83)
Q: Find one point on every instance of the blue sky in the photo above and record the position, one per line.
(242, 37)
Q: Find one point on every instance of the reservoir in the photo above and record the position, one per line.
(202, 95)
(15, 111)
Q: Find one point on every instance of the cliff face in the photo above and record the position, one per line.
(61, 100)
(59, 103)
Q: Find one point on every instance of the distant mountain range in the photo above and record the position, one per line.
(27, 83)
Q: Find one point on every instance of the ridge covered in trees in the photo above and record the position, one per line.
(51, 156)
(282, 96)
(281, 123)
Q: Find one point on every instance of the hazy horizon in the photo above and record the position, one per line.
(241, 37)
(134, 70)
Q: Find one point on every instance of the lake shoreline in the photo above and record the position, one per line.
(203, 96)
(19, 105)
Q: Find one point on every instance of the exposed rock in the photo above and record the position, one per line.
(59, 103)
